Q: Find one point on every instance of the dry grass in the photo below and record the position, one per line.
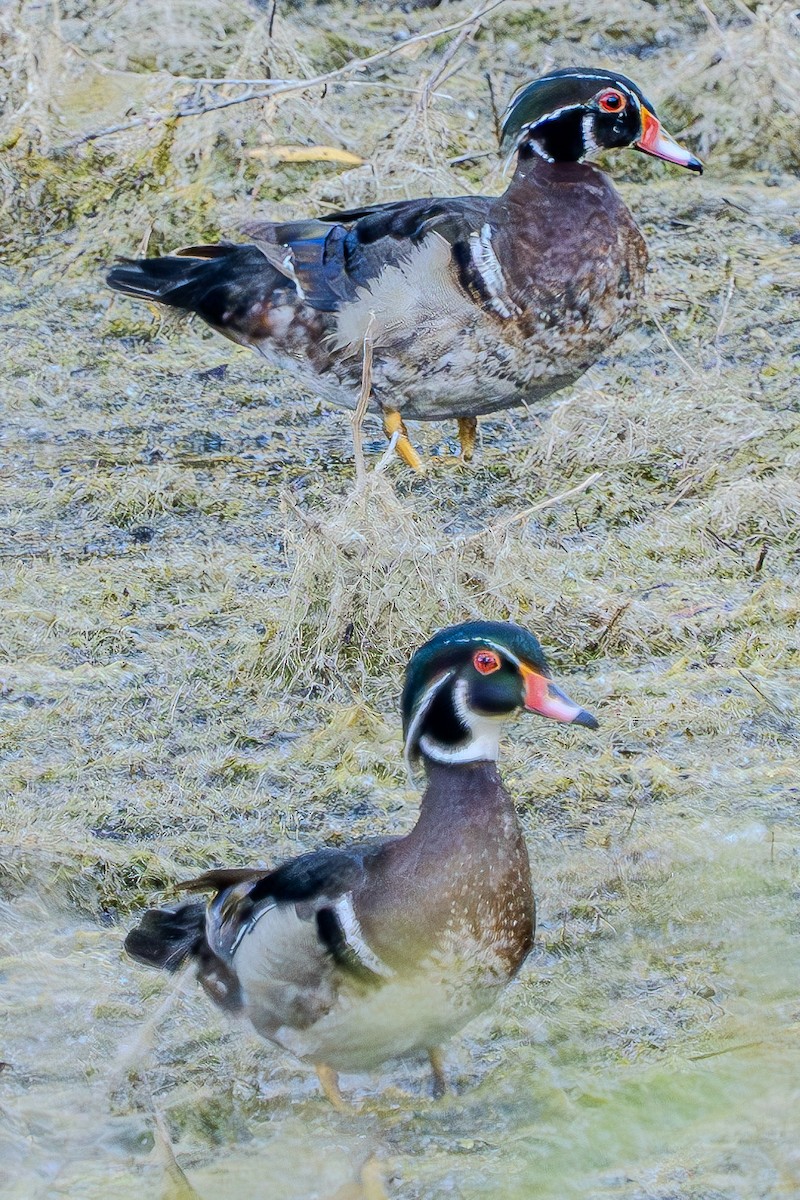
(205, 620)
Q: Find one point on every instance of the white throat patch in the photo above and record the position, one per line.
(590, 146)
(483, 741)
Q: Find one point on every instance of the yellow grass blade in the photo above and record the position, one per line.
(301, 154)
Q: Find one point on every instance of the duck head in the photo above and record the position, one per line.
(464, 684)
(570, 114)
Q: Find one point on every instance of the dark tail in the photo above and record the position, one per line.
(167, 937)
(221, 283)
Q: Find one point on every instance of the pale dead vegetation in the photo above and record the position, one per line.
(206, 614)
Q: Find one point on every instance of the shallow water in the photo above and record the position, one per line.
(656, 1054)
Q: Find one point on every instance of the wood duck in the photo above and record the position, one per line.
(471, 304)
(348, 957)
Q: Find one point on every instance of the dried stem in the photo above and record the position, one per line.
(280, 87)
(526, 512)
(672, 345)
(762, 694)
(357, 419)
(496, 120)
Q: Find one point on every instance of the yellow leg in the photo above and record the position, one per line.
(467, 433)
(439, 1077)
(392, 424)
(371, 1181)
(329, 1082)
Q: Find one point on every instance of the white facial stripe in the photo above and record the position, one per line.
(537, 149)
(550, 116)
(480, 642)
(419, 714)
(556, 112)
(483, 742)
(526, 129)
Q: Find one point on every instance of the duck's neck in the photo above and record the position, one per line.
(533, 170)
(464, 794)
(481, 743)
(463, 866)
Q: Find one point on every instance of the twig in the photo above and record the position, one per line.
(310, 522)
(672, 345)
(526, 512)
(448, 75)
(725, 1050)
(720, 541)
(357, 419)
(210, 81)
(280, 87)
(178, 1186)
(438, 72)
(473, 157)
(498, 129)
(733, 204)
(722, 318)
(685, 487)
(606, 630)
(712, 22)
(388, 454)
(763, 695)
(134, 1053)
(629, 826)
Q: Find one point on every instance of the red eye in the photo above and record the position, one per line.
(486, 661)
(611, 101)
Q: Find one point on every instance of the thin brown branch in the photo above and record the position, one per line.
(498, 125)
(281, 87)
(722, 319)
(672, 345)
(605, 632)
(473, 157)
(178, 1186)
(724, 1050)
(438, 72)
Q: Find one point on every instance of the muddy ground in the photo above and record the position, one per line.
(204, 630)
